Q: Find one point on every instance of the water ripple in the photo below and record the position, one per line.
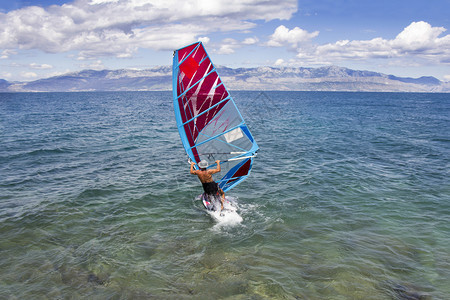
(348, 199)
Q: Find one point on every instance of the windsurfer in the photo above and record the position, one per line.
(210, 187)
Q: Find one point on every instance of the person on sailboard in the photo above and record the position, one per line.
(210, 187)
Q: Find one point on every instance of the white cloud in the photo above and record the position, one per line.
(279, 62)
(120, 27)
(228, 46)
(28, 75)
(419, 40)
(250, 41)
(418, 36)
(40, 66)
(283, 36)
(447, 77)
(58, 73)
(95, 2)
(205, 40)
(96, 65)
(7, 53)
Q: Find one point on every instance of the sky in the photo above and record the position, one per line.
(43, 38)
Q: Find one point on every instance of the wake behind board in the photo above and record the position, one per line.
(226, 217)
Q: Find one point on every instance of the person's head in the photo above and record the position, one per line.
(203, 164)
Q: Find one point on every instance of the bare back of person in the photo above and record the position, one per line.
(205, 175)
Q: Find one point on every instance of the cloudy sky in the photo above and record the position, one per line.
(42, 38)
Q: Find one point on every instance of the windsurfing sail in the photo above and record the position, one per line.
(210, 125)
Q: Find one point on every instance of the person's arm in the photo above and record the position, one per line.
(216, 170)
(193, 172)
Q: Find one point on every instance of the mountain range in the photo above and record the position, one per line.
(330, 78)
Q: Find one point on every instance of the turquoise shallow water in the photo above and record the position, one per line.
(349, 198)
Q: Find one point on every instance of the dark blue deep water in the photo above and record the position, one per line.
(349, 198)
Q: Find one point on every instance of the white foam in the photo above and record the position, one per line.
(229, 215)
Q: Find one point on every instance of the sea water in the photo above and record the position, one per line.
(349, 198)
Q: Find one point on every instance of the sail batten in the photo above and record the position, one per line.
(210, 125)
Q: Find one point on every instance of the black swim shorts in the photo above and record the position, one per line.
(210, 188)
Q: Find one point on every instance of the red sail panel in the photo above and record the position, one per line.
(189, 67)
(182, 53)
(189, 82)
(198, 104)
(242, 171)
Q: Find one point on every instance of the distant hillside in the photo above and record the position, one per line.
(326, 79)
(4, 85)
(263, 78)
